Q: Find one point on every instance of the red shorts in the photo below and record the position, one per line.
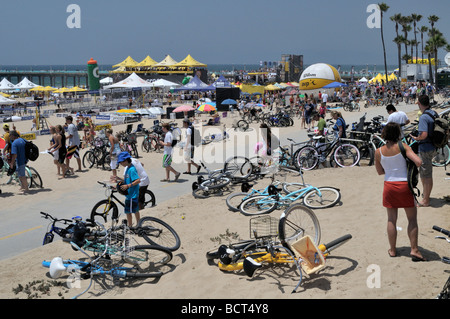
(397, 195)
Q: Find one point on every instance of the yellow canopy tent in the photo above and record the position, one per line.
(189, 62)
(252, 88)
(129, 62)
(147, 62)
(61, 90)
(271, 87)
(167, 62)
(392, 77)
(420, 61)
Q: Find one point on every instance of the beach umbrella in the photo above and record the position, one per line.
(77, 89)
(334, 85)
(61, 90)
(4, 100)
(184, 108)
(207, 107)
(126, 111)
(229, 102)
(156, 110)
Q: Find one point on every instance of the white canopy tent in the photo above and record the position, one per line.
(363, 80)
(25, 84)
(161, 83)
(4, 100)
(5, 85)
(133, 81)
(107, 80)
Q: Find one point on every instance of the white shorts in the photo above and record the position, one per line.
(113, 162)
(56, 155)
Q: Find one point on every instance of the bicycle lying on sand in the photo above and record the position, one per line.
(445, 292)
(117, 259)
(298, 233)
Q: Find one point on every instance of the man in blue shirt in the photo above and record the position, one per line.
(131, 184)
(426, 148)
(19, 159)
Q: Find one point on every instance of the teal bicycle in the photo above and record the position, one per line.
(8, 176)
(312, 197)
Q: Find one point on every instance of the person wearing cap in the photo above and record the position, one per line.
(131, 182)
(167, 157)
(189, 148)
(19, 159)
(7, 148)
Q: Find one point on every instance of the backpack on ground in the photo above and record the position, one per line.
(412, 171)
(441, 132)
(31, 151)
(196, 138)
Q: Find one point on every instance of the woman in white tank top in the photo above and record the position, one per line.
(396, 193)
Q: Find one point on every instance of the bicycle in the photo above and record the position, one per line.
(445, 292)
(8, 175)
(108, 206)
(151, 141)
(216, 182)
(343, 154)
(63, 232)
(312, 197)
(98, 155)
(250, 255)
(145, 260)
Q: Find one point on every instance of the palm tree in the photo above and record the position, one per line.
(428, 49)
(399, 40)
(437, 41)
(416, 18)
(406, 27)
(413, 43)
(383, 8)
(396, 19)
(422, 30)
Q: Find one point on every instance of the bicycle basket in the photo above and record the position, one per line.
(263, 226)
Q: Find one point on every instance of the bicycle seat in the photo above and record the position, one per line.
(250, 266)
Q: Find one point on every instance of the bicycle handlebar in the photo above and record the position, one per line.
(442, 230)
(48, 216)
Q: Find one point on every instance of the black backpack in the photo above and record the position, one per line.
(441, 133)
(31, 151)
(196, 138)
(412, 171)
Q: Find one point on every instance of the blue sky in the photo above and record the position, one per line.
(213, 32)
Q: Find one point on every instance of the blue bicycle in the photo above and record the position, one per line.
(271, 198)
(64, 232)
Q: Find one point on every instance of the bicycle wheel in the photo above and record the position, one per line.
(258, 205)
(292, 187)
(29, 177)
(367, 154)
(234, 201)
(149, 199)
(322, 197)
(145, 146)
(103, 209)
(146, 260)
(296, 222)
(106, 162)
(89, 159)
(346, 155)
(442, 157)
(157, 232)
(215, 183)
(238, 166)
(307, 158)
(36, 178)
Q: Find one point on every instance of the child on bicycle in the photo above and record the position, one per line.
(131, 185)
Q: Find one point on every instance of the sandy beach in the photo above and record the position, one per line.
(360, 269)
